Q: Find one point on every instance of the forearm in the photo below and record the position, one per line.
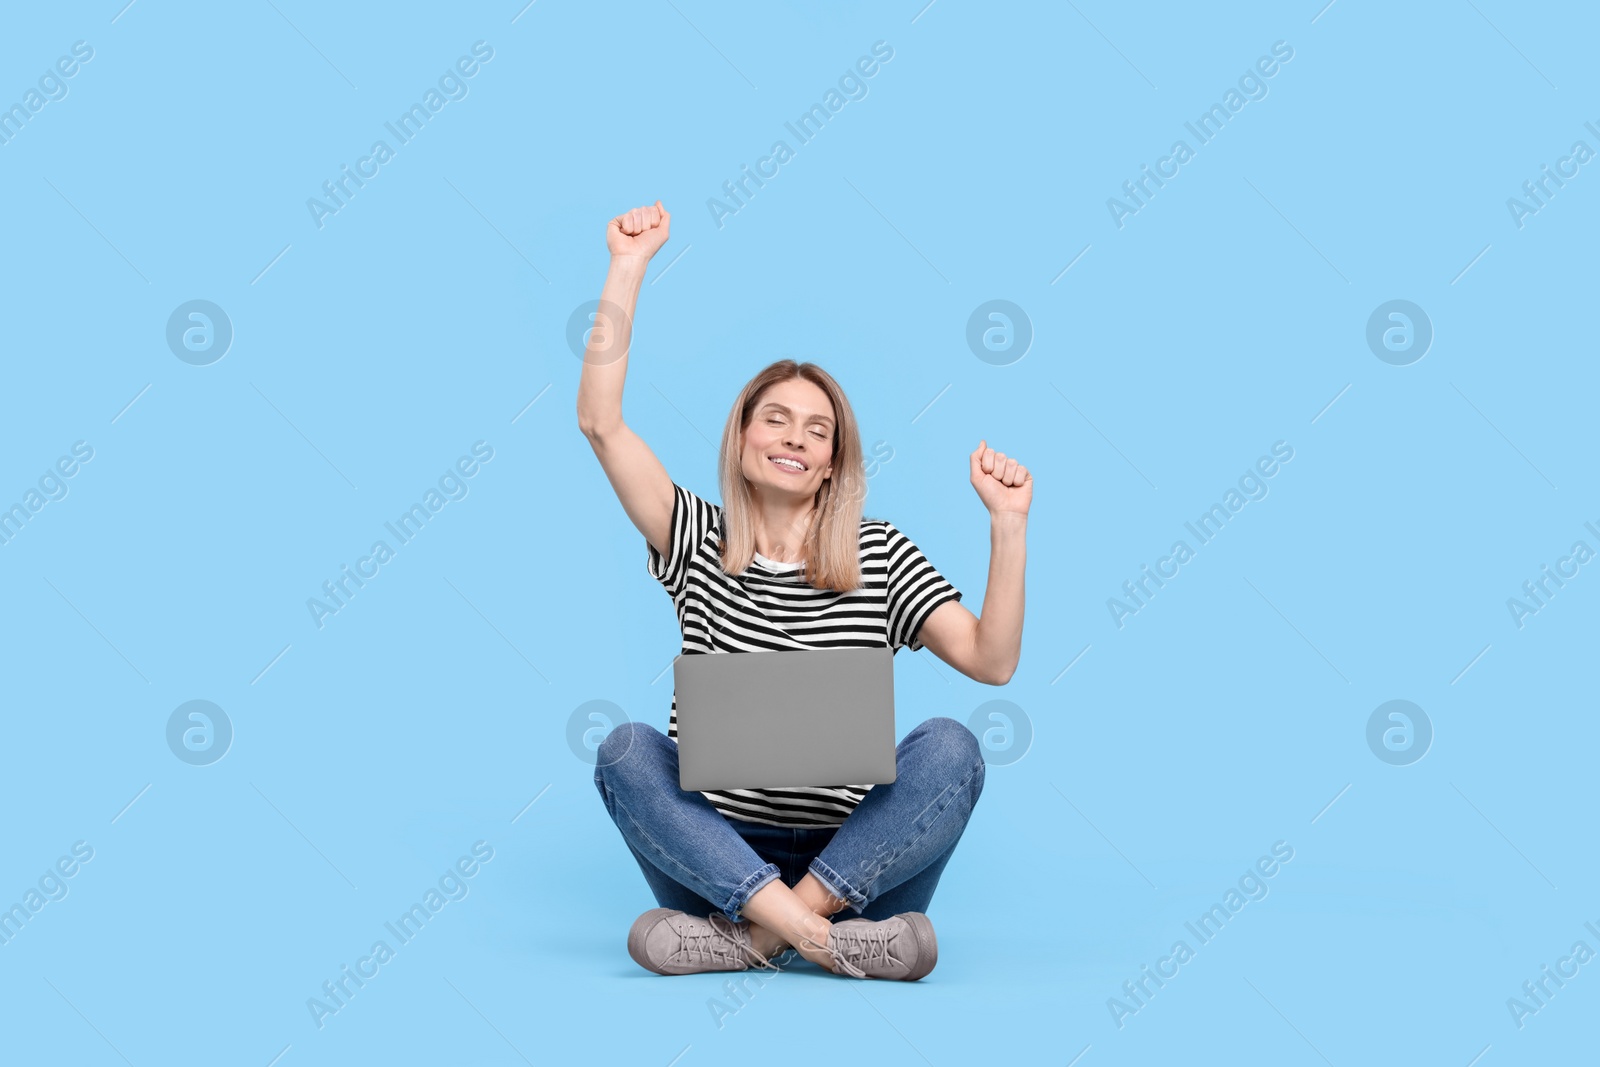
(998, 639)
(605, 359)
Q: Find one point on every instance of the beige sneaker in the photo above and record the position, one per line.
(901, 947)
(674, 942)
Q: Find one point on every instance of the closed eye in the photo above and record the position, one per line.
(820, 433)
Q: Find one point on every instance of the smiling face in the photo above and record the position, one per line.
(793, 420)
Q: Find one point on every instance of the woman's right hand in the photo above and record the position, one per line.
(639, 233)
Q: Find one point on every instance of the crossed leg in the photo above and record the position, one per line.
(799, 918)
(687, 849)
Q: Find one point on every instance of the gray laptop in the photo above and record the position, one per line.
(820, 717)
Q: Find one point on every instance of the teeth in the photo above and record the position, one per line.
(789, 463)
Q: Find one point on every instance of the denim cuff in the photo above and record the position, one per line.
(836, 885)
(747, 889)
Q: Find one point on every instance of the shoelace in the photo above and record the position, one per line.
(842, 964)
(863, 944)
(723, 942)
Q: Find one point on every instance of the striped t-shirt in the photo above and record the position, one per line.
(770, 608)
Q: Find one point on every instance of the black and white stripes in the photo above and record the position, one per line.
(770, 608)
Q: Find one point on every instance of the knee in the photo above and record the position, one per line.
(951, 740)
(623, 739)
(955, 753)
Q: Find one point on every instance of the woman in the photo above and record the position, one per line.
(790, 563)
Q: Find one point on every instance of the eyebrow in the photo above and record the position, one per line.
(788, 411)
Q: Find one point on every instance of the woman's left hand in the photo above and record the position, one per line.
(1004, 485)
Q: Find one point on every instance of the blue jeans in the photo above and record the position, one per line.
(884, 860)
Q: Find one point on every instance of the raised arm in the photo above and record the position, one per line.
(986, 647)
(641, 483)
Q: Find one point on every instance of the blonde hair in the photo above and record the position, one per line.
(831, 546)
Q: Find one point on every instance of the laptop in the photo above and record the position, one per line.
(818, 717)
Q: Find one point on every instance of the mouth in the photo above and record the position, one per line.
(783, 464)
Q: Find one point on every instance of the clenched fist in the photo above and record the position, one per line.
(1002, 483)
(640, 232)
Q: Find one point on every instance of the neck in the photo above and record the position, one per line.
(781, 527)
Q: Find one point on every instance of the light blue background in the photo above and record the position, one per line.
(425, 316)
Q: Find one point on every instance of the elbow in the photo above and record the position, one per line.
(593, 428)
(989, 670)
(991, 677)
(1003, 675)
(595, 417)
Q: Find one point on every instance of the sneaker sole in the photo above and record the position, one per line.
(640, 931)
